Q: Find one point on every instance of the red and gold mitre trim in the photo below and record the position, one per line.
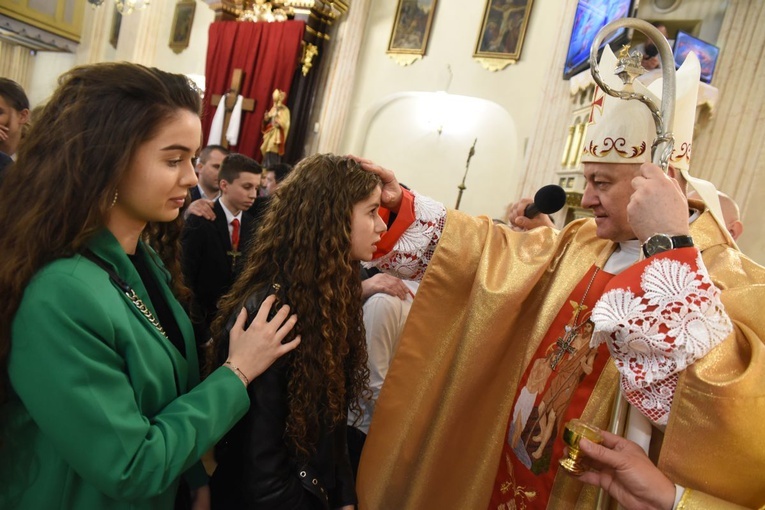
(682, 155)
(618, 145)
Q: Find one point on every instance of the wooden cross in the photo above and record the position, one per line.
(248, 104)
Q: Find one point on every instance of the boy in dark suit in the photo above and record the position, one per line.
(214, 250)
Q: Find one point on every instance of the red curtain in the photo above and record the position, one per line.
(268, 53)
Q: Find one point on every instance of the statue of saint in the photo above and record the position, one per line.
(276, 127)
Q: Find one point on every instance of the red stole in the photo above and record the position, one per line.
(554, 389)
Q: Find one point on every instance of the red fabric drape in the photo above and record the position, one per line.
(268, 53)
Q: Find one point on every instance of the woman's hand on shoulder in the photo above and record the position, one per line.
(254, 349)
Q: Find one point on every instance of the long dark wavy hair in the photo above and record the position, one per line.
(69, 165)
(304, 245)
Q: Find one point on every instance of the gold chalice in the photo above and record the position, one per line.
(573, 432)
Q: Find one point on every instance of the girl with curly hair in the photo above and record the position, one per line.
(290, 451)
(100, 400)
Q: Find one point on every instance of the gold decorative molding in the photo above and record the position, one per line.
(494, 64)
(227, 10)
(313, 31)
(60, 17)
(309, 52)
(404, 59)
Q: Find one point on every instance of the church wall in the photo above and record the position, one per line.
(46, 68)
(143, 38)
(401, 141)
(192, 59)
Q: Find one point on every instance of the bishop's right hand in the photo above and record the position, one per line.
(391, 191)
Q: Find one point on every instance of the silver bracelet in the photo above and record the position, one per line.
(238, 372)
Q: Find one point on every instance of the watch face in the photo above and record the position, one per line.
(657, 244)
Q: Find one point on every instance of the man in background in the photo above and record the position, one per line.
(14, 114)
(731, 213)
(273, 176)
(203, 195)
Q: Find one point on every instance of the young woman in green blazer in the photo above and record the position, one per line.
(101, 405)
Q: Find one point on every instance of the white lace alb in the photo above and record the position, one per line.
(655, 334)
(414, 249)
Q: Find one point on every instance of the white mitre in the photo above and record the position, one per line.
(622, 131)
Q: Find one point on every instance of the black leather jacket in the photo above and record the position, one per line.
(256, 469)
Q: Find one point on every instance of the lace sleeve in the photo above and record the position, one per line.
(655, 332)
(412, 252)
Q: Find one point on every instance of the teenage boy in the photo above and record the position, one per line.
(214, 250)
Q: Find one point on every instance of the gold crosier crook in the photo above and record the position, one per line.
(628, 68)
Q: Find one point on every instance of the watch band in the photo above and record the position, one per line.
(682, 241)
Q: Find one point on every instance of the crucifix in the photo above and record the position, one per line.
(234, 254)
(564, 347)
(248, 104)
(565, 343)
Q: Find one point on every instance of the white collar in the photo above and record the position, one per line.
(229, 215)
(629, 252)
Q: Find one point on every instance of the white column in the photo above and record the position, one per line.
(337, 84)
(96, 29)
(730, 150)
(549, 138)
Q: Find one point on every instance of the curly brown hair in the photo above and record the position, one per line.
(68, 169)
(304, 245)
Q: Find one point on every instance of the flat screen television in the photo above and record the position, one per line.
(590, 17)
(707, 53)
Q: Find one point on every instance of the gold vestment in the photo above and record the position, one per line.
(485, 303)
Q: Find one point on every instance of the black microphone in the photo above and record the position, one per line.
(549, 199)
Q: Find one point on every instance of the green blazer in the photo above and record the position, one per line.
(105, 412)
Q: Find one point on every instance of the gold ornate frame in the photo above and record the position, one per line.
(411, 30)
(183, 20)
(503, 30)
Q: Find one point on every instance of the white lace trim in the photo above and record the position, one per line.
(652, 336)
(414, 249)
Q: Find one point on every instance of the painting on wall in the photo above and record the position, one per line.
(411, 30)
(180, 32)
(503, 30)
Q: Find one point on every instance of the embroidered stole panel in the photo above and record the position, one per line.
(554, 389)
